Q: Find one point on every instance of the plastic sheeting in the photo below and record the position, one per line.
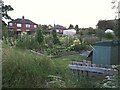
(109, 31)
(69, 32)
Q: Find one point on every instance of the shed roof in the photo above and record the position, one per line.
(107, 43)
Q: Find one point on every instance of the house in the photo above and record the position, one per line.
(59, 28)
(106, 52)
(22, 24)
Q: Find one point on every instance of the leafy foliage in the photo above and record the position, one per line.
(39, 36)
(100, 33)
(55, 82)
(22, 68)
(71, 26)
(4, 30)
(77, 29)
(109, 35)
(25, 41)
(5, 9)
(55, 39)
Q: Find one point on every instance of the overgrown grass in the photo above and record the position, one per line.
(71, 80)
(63, 61)
(23, 69)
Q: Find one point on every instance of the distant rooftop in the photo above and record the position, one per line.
(22, 21)
(59, 27)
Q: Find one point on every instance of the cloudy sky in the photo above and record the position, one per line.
(85, 13)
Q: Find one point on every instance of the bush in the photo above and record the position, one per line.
(39, 36)
(67, 40)
(77, 46)
(90, 40)
(55, 39)
(27, 41)
(109, 35)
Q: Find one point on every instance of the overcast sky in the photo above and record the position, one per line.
(85, 13)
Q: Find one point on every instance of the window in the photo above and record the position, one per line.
(35, 26)
(27, 25)
(10, 24)
(27, 30)
(19, 25)
(18, 29)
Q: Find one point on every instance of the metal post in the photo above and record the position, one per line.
(119, 20)
(1, 3)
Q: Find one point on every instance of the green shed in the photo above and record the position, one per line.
(106, 53)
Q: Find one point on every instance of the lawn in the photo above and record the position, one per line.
(63, 61)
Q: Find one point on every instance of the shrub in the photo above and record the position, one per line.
(27, 41)
(109, 35)
(77, 46)
(55, 39)
(48, 40)
(90, 40)
(67, 40)
(39, 36)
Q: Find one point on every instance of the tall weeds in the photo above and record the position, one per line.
(24, 69)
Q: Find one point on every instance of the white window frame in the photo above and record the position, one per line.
(19, 30)
(27, 25)
(35, 26)
(10, 24)
(19, 25)
(27, 30)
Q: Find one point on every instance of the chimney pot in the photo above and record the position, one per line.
(23, 17)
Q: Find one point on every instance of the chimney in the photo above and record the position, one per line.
(23, 17)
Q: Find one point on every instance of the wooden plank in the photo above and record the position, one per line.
(91, 69)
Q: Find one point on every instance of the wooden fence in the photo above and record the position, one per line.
(86, 66)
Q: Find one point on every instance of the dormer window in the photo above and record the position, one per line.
(27, 25)
(10, 24)
(19, 25)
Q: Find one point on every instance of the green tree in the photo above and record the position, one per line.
(100, 33)
(39, 36)
(55, 38)
(71, 26)
(77, 29)
(44, 29)
(4, 30)
(5, 9)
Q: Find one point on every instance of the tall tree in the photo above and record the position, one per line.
(77, 29)
(5, 9)
(71, 26)
(55, 38)
(45, 29)
(39, 36)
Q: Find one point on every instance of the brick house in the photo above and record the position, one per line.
(59, 28)
(22, 24)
